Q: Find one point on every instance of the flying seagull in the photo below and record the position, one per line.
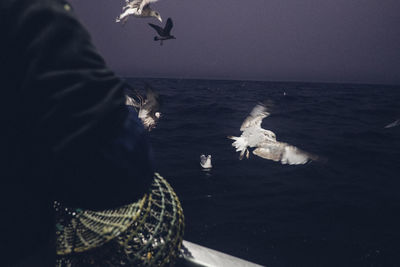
(148, 108)
(137, 8)
(393, 124)
(165, 34)
(205, 161)
(264, 141)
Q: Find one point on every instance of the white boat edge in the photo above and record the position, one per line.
(196, 255)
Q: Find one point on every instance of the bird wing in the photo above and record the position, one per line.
(140, 4)
(159, 30)
(283, 152)
(131, 102)
(134, 3)
(168, 26)
(255, 118)
(393, 124)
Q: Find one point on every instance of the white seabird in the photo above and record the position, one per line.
(264, 141)
(205, 161)
(148, 108)
(138, 8)
(393, 124)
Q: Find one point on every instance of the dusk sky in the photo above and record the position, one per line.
(354, 41)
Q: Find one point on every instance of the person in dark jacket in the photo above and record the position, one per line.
(66, 133)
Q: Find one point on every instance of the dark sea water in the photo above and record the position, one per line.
(344, 211)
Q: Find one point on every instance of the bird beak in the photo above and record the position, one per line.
(160, 19)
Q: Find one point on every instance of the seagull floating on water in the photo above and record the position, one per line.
(164, 33)
(205, 161)
(148, 108)
(264, 141)
(138, 8)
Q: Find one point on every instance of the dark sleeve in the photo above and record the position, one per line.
(93, 149)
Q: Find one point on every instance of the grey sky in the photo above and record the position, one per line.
(275, 40)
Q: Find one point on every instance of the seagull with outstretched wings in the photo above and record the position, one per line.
(264, 141)
(138, 8)
(148, 107)
(164, 33)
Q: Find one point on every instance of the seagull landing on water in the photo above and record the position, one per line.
(148, 108)
(138, 8)
(205, 161)
(264, 141)
(164, 33)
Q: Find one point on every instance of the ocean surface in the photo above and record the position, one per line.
(341, 211)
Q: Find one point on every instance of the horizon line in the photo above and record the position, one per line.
(256, 80)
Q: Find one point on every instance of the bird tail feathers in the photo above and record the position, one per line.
(240, 144)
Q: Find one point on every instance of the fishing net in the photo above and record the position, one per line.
(146, 233)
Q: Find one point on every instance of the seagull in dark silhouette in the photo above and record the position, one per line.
(148, 108)
(265, 143)
(164, 33)
(138, 8)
